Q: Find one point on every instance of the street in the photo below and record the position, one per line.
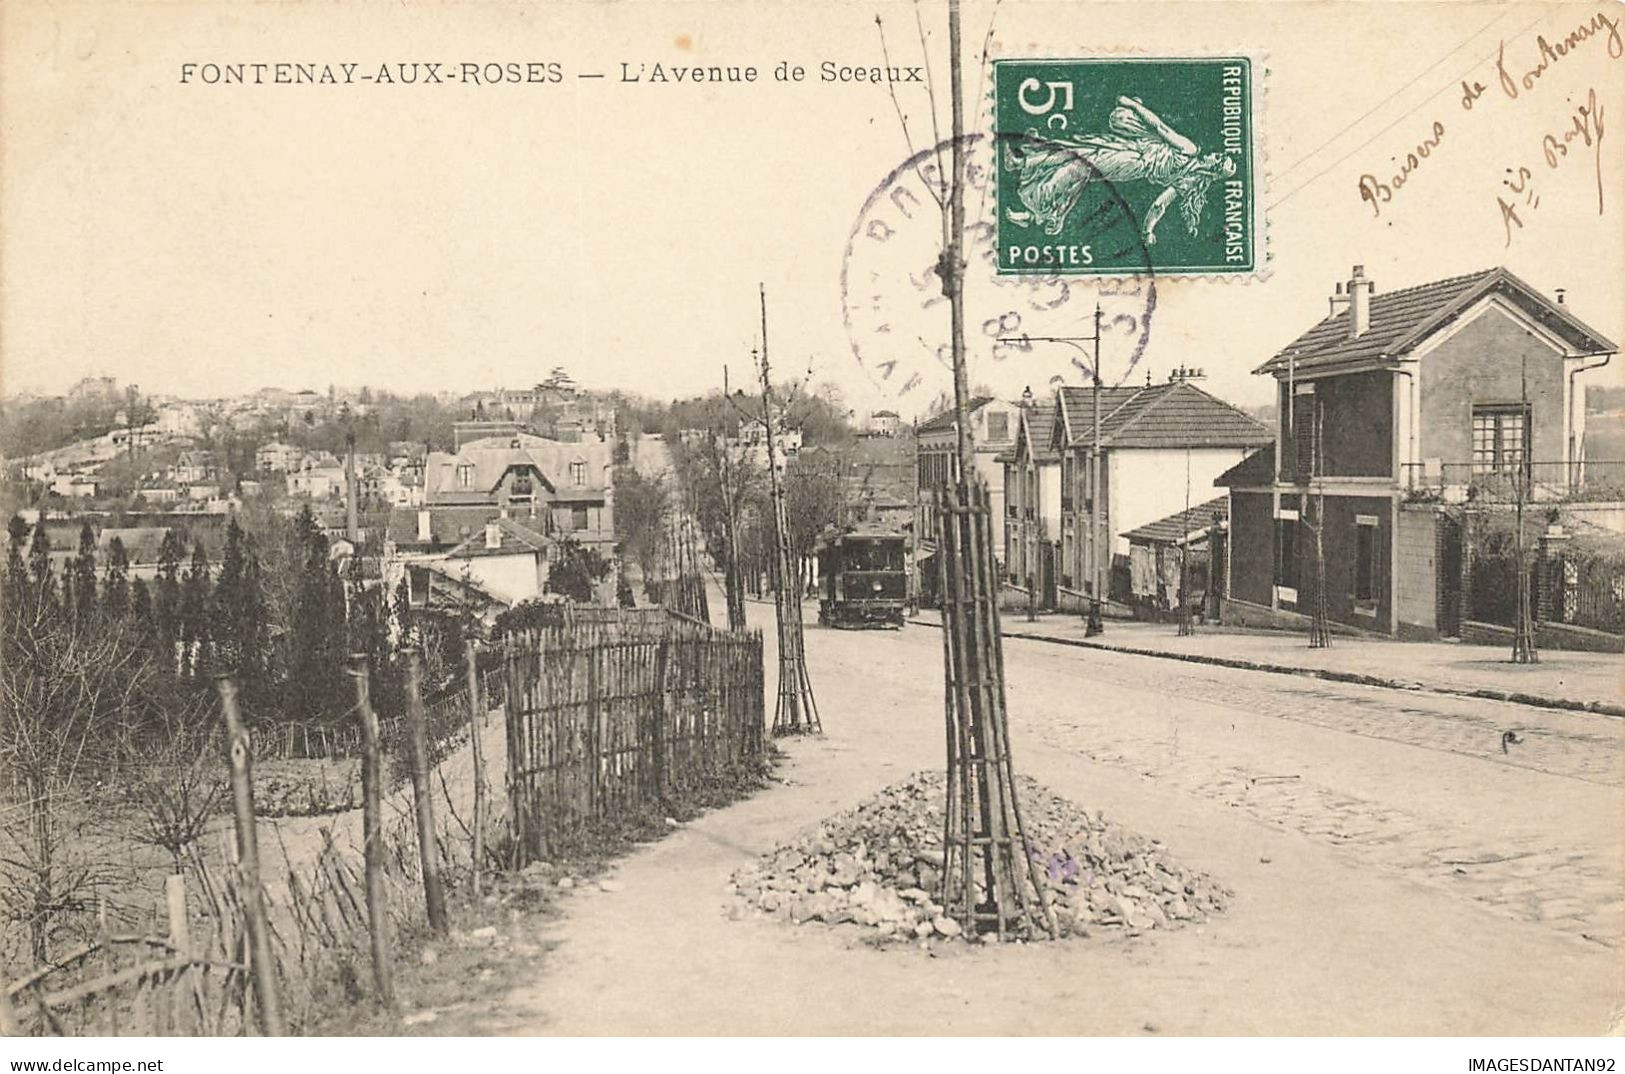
(1396, 869)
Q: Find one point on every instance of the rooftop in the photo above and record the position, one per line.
(1177, 414)
(1177, 527)
(945, 420)
(1401, 319)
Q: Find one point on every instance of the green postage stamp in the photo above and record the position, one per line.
(1118, 166)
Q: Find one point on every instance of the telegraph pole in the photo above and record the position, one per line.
(730, 520)
(1096, 624)
(1186, 623)
(352, 521)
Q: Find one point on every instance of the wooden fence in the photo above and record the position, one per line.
(604, 723)
(302, 740)
(261, 941)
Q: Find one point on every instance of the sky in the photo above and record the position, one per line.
(201, 240)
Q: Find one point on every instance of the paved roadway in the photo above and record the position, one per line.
(1394, 870)
(1417, 784)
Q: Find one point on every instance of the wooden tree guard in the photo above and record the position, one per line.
(992, 880)
(1320, 616)
(240, 757)
(1320, 629)
(434, 891)
(795, 711)
(372, 826)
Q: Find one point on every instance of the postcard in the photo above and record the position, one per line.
(912, 519)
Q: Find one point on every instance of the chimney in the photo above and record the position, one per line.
(1359, 302)
(424, 531)
(1561, 291)
(493, 534)
(1337, 301)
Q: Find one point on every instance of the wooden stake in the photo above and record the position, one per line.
(373, 834)
(240, 757)
(434, 892)
(475, 721)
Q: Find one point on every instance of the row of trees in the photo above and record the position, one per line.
(726, 492)
(285, 633)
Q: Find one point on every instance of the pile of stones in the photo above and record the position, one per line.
(879, 867)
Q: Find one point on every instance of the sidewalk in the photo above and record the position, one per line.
(1562, 679)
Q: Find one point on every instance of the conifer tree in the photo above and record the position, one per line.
(228, 600)
(15, 599)
(16, 569)
(40, 572)
(194, 614)
(166, 599)
(253, 632)
(238, 611)
(116, 585)
(141, 602)
(315, 676)
(84, 576)
(404, 635)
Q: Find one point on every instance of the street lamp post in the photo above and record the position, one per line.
(1096, 623)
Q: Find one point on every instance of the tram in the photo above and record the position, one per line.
(863, 578)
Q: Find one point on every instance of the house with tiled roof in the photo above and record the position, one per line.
(1150, 442)
(490, 511)
(1401, 413)
(506, 559)
(1032, 501)
(560, 486)
(936, 464)
(1170, 559)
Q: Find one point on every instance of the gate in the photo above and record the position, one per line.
(1048, 594)
(1447, 609)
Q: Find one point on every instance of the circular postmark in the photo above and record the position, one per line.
(1021, 330)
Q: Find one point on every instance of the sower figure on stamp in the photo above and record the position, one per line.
(1140, 146)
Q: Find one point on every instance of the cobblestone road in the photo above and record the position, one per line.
(1416, 783)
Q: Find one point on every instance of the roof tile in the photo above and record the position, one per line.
(1399, 319)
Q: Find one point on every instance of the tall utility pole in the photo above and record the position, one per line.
(132, 396)
(1524, 650)
(952, 265)
(796, 711)
(1096, 624)
(1186, 623)
(733, 583)
(352, 521)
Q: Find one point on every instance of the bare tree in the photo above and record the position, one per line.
(67, 696)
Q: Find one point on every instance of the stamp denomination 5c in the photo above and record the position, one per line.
(1174, 137)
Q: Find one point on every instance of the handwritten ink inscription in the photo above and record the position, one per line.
(1579, 133)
